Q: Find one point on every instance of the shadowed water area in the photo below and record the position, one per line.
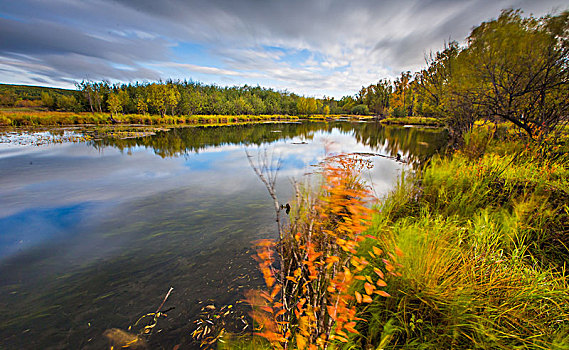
(93, 234)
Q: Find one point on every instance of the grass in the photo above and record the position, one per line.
(41, 118)
(412, 121)
(485, 239)
(338, 116)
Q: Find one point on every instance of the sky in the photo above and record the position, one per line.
(309, 47)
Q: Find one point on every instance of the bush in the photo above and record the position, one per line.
(360, 110)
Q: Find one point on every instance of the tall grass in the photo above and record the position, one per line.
(486, 240)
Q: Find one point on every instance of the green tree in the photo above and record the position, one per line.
(307, 106)
(49, 101)
(402, 97)
(157, 97)
(517, 69)
(68, 103)
(172, 97)
(361, 109)
(8, 98)
(114, 103)
(438, 87)
(376, 96)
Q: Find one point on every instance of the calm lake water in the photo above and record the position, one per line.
(93, 234)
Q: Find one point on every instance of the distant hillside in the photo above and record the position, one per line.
(33, 93)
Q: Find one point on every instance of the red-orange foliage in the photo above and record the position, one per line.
(310, 298)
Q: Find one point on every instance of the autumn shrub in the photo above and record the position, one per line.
(312, 273)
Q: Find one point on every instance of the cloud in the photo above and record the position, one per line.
(345, 44)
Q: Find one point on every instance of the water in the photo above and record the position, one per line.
(93, 234)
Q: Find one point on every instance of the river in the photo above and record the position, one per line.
(93, 234)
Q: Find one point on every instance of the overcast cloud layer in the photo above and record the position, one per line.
(308, 47)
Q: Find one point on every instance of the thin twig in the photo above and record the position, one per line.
(163, 301)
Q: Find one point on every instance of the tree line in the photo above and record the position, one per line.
(512, 68)
(193, 98)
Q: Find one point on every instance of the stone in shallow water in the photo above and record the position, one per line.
(120, 339)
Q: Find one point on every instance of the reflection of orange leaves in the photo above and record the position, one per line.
(264, 243)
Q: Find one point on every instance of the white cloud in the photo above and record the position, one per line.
(350, 43)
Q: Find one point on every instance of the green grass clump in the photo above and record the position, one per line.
(485, 238)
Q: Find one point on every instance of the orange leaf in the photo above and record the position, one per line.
(378, 271)
(367, 299)
(398, 251)
(369, 288)
(377, 251)
(292, 279)
(332, 312)
(267, 309)
(276, 291)
(381, 283)
(342, 339)
(382, 293)
(358, 296)
(281, 312)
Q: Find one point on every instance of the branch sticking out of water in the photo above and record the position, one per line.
(266, 168)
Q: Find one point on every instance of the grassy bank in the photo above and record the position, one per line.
(485, 237)
(412, 121)
(30, 117)
(40, 118)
